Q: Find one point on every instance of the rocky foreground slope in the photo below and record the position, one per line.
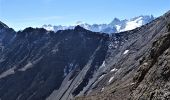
(36, 64)
(143, 73)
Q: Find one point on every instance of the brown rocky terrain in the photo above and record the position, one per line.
(144, 72)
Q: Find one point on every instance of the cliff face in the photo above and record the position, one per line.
(142, 66)
(152, 78)
(36, 64)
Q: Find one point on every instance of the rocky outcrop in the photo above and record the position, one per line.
(35, 62)
(152, 78)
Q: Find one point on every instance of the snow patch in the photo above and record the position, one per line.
(8, 72)
(126, 51)
(101, 76)
(132, 83)
(130, 25)
(27, 66)
(111, 79)
(103, 64)
(118, 27)
(145, 64)
(114, 70)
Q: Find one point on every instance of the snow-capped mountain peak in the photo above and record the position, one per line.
(132, 24)
(136, 22)
(115, 26)
(48, 27)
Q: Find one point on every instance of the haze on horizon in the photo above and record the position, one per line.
(20, 14)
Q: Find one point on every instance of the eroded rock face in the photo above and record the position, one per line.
(35, 62)
(143, 71)
(152, 78)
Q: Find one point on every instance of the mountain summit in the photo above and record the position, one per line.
(2, 25)
(115, 26)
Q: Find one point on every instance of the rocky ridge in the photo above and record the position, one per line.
(143, 72)
(36, 64)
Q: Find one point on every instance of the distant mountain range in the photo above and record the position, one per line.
(115, 26)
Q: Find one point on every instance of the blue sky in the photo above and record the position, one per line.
(19, 14)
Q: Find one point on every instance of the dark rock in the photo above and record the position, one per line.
(36, 64)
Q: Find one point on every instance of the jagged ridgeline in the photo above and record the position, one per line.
(36, 64)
